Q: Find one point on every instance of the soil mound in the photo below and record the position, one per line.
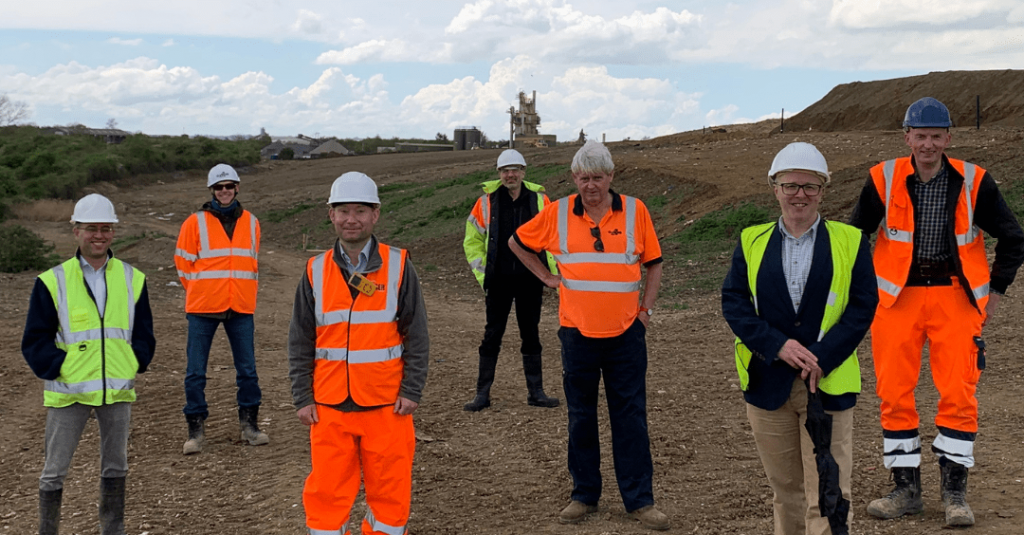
(880, 105)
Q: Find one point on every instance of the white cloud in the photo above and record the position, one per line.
(861, 14)
(169, 42)
(385, 51)
(722, 116)
(124, 42)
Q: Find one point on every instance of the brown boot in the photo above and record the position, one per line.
(954, 494)
(905, 499)
(575, 512)
(196, 434)
(652, 518)
(250, 430)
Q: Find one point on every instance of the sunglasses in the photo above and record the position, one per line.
(219, 187)
(598, 244)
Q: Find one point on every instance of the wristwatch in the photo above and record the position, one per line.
(647, 311)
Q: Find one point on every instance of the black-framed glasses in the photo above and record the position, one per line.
(218, 187)
(598, 244)
(810, 190)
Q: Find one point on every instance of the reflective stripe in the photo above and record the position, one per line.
(129, 274)
(485, 205)
(186, 255)
(476, 225)
(110, 333)
(377, 525)
(386, 315)
(477, 265)
(887, 287)
(565, 257)
(830, 302)
(601, 286)
(223, 274)
(86, 387)
(895, 235)
(980, 291)
(596, 258)
(342, 531)
(63, 318)
(204, 241)
(902, 453)
(64, 333)
(956, 450)
(362, 356)
(970, 172)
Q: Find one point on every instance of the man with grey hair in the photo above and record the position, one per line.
(599, 239)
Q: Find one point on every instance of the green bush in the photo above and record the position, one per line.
(21, 250)
(725, 224)
(286, 154)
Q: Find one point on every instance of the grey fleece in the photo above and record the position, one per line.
(412, 325)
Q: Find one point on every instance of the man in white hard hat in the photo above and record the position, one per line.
(88, 332)
(216, 257)
(797, 332)
(358, 349)
(506, 204)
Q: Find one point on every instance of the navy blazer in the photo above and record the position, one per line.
(764, 332)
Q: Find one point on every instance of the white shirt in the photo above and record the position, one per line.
(97, 282)
(797, 255)
(364, 258)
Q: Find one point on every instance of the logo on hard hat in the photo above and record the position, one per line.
(224, 173)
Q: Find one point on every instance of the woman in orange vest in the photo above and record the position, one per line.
(358, 348)
(934, 283)
(217, 264)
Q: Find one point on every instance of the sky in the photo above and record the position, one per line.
(622, 68)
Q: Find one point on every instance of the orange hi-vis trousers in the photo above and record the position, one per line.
(379, 442)
(944, 317)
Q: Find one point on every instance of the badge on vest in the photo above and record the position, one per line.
(363, 284)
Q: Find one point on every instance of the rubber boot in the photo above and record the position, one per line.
(196, 434)
(905, 499)
(112, 505)
(484, 380)
(954, 494)
(49, 511)
(247, 421)
(534, 371)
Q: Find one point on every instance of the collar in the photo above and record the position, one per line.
(373, 259)
(85, 263)
(577, 205)
(810, 232)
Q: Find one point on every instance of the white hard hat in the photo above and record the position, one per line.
(510, 157)
(799, 156)
(220, 173)
(94, 208)
(354, 187)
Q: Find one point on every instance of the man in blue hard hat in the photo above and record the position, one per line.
(935, 284)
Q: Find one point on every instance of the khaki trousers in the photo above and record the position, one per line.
(788, 457)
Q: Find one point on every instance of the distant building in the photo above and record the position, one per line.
(422, 147)
(468, 138)
(110, 135)
(329, 149)
(300, 150)
(525, 123)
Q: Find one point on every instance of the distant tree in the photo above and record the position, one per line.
(11, 111)
(286, 154)
(441, 137)
(111, 123)
(583, 137)
(484, 140)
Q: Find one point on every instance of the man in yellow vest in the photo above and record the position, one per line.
(506, 204)
(89, 331)
(216, 256)
(800, 296)
(934, 283)
(358, 349)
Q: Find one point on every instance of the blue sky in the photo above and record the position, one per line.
(411, 69)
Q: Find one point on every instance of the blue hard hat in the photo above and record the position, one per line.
(927, 113)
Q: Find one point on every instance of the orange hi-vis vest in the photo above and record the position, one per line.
(218, 274)
(600, 291)
(358, 346)
(894, 248)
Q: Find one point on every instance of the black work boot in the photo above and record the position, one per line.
(484, 380)
(49, 511)
(196, 434)
(954, 494)
(247, 421)
(112, 505)
(534, 371)
(905, 499)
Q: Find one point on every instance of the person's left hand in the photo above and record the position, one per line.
(405, 406)
(990, 308)
(812, 376)
(645, 319)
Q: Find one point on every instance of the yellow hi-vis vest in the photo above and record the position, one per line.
(845, 242)
(100, 365)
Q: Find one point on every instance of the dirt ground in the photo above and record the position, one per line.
(502, 470)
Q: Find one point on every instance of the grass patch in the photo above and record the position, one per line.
(124, 242)
(657, 202)
(277, 216)
(22, 250)
(1015, 198)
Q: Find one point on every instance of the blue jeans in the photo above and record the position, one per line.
(239, 329)
(622, 361)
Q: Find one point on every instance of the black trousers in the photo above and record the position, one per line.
(527, 292)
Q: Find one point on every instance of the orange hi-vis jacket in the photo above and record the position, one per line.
(894, 249)
(600, 291)
(217, 273)
(358, 346)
